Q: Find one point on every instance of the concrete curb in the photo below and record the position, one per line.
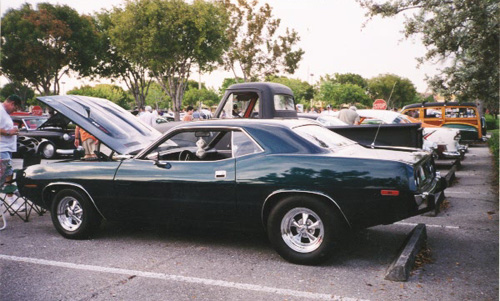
(400, 268)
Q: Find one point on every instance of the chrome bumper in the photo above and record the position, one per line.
(453, 155)
(427, 200)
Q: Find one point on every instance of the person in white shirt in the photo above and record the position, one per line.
(8, 136)
(328, 111)
(147, 117)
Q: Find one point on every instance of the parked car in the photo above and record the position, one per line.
(300, 182)
(53, 137)
(445, 141)
(462, 116)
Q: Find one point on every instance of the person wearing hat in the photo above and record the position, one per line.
(328, 111)
(8, 137)
(349, 115)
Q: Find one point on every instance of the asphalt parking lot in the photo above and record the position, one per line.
(132, 261)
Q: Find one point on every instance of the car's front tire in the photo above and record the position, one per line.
(73, 215)
(304, 230)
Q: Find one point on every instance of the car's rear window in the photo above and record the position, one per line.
(323, 137)
(283, 102)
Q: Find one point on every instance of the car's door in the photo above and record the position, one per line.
(164, 184)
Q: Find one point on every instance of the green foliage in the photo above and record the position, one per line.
(463, 33)
(40, 46)
(336, 94)
(493, 143)
(193, 97)
(110, 92)
(117, 62)
(346, 78)
(395, 90)
(302, 91)
(168, 37)
(24, 92)
(228, 82)
(491, 122)
(256, 49)
(157, 98)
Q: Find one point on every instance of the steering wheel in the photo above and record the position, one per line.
(186, 155)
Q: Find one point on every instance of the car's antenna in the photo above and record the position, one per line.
(380, 124)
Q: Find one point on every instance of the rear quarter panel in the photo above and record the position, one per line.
(354, 184)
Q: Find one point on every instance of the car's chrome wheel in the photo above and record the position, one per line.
(73, 214)
(302, 230)
(70, 213)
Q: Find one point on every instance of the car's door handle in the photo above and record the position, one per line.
(220, 174)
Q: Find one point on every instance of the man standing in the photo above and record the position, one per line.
(147, 117)
(8, 136)
(349, 115)
(189, 114)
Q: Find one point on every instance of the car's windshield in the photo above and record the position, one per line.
(33, 123)
(323, 137)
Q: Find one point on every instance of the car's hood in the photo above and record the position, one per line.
(56, 120)
(109, 123)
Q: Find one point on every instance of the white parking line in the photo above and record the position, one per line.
(427, 225)
(161, 276)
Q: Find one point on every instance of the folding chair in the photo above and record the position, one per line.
(25, 206)
(30, 157)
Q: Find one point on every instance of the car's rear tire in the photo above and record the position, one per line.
(73, 215)
(304, 229)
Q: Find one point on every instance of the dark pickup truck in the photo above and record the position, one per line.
(271, 100)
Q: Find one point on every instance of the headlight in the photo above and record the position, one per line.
(66, 137)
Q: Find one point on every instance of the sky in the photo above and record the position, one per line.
(334, 35)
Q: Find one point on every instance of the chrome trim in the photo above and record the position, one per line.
(65, 151)
(302, 191)
(421, 198)
(220, 174)
(75, 185)
(452, 155)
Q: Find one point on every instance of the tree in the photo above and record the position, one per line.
(256, 48)
(113, 93)
(195, 97)
(336, 94)
(120, 55)
(157, 98)
(395, 90)
(169, 37)
(347, 78)
(228, 82)
(24, 92)
(302, 91)
(40, 46)
(462, 33)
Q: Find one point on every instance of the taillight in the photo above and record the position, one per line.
(389, 192)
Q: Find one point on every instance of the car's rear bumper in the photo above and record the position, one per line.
(428, 199)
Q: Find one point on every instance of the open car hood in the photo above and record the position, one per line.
(57, 121)
(112, 125)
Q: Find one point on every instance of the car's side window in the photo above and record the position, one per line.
(241, 105)
(243, 145)
(194, 145)
(432, 113)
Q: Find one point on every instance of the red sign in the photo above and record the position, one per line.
(379, 104)
(37, 111)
